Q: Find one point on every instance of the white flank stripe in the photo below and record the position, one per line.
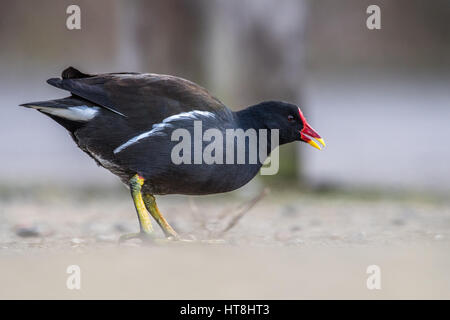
(158, 127)
(78, 113)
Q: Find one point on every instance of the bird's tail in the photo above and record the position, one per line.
(70, 108)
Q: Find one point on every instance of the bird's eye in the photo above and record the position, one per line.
(291, 118)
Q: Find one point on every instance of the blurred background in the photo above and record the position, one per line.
(380, 98)
(377, 194)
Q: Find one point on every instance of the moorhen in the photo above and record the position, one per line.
(132, 124)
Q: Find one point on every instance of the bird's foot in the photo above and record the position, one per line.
(172, 235)
(147, 237)
(143, 236)
(182, 240)
(175, 238)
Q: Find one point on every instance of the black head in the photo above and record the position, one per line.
(286, 117)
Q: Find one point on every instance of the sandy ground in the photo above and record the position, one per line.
(289, 246)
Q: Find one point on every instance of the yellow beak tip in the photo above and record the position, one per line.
(322, 142)
(314, 144)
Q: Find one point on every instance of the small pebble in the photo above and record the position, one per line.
(76, 241)
(438, 237)
(27, 231)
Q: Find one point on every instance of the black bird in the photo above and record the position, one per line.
(136, 125)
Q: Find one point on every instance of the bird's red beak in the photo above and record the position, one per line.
(308, 133)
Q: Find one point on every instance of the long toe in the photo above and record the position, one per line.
(143, 236)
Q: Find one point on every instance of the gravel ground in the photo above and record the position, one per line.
(289, 245)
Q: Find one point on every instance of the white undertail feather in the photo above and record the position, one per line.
(78, 113)
(159, 127)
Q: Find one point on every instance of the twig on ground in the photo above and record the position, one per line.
(242, 209)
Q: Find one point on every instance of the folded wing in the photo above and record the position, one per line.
(143, 99)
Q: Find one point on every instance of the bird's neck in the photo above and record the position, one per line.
(253, 118)
(250, 118)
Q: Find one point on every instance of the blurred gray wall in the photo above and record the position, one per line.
(380, 98)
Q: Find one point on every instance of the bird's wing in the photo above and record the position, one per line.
(135, 96)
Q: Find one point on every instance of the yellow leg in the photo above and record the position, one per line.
(146, 229)
(150, 203)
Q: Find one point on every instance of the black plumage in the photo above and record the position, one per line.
(106, 111)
